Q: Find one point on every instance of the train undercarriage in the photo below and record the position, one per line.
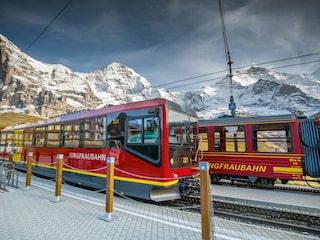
(251, 180)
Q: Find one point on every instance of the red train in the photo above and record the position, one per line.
(153, 143)
(260, 150)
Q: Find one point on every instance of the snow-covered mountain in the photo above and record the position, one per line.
(53, 89)
(258, 91)
(34, 87)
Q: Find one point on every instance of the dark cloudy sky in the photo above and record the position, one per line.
(167, 40)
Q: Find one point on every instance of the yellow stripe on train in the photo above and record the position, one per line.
(133, 180)
(287, 170)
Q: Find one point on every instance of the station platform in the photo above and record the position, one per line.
(30, 214)
(291, 201)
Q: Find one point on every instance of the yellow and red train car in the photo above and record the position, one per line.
(152, 141)
(257, 150)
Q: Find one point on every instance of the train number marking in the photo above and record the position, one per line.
(185, 160)
(116, 121)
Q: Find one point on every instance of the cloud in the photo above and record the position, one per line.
(164, 40)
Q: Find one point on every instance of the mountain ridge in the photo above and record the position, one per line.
(33, 87)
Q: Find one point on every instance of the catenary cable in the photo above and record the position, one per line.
(236, 74)
(244, 66)
(44, 30)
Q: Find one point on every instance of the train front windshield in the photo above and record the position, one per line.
(182, 131)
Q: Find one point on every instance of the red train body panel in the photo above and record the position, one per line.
(253, 149)
(153, 143)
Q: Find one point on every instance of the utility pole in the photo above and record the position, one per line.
(232, 104)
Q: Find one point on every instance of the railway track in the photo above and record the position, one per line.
(277, 187)
(278, 218)
(293, 188)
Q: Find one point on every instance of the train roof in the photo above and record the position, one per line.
(253, 120)
(105, 110)
(316, 115)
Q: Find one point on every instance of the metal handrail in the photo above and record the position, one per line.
(8, 175)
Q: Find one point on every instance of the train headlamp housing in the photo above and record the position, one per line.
(174, 175)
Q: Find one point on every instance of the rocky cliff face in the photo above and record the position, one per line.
(37, 88)
(49, 90)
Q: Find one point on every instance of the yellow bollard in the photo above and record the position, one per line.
(29, 170)
(58, 179)
(109, 191)
(205, 200)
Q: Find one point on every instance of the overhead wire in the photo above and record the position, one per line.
(189, 84)
(191, 78)
(182, 80)
(237, 74)
(240, 67)
(279, 60)
(296, 64)
(44, 30)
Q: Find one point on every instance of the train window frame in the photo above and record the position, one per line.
(53, 130)
(134, 135)
(226, 142)
(28, 137)
(3, 141)
(9, 145)
(285, 139)
(115, 128)
(148, 124)
(39, 136)
(92, 128)
(180, 129)
(73, 135)
(204, 134)
(141, 145)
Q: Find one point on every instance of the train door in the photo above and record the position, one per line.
(17, 145)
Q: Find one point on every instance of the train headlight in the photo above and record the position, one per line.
(174, 175)
(171, 161)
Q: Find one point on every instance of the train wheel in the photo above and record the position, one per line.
(270, 182)
(284, 181)
(214, 178)
(265, 182)
(252, 179)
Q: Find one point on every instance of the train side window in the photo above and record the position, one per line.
(135, 131)
(143, 138)
(71, 134)
(9, 142)
(39, 136)
(219, 145)
(94, 132)
(28, 136)
(182, 129)
(150, 130)
(272, 138)
(229, 139)
(116, 129)
(204, 145)
(3, 142)
(53, 136)
(150, 133)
